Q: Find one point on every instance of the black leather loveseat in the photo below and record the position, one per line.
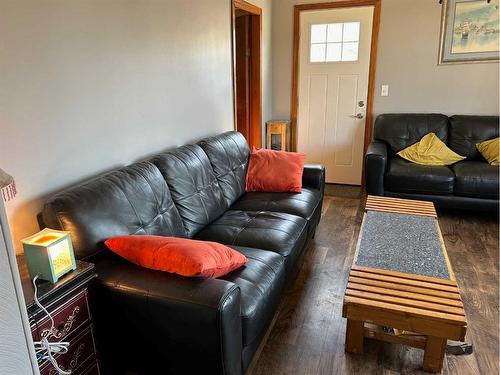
(153, 322)
(468, 184)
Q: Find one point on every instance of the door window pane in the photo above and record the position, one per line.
(351, 32)
(334, 32)
(318, 52)
(334, 42)
(318, 33)
(350, 51)
(334, 52)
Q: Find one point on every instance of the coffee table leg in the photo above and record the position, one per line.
(434, 354)
(354, 336)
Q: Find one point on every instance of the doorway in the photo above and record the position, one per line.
(332, 99)
(247, 24)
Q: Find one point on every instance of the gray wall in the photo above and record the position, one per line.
(90, 85)
(407, 62)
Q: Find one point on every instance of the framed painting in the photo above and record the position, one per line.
(470, 31)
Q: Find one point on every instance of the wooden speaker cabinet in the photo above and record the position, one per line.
(278, 135)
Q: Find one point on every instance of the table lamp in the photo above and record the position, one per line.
(49, 253)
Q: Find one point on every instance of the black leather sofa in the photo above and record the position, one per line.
(468, 184)
(152, 322)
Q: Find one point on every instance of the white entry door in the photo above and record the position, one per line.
(334, 63)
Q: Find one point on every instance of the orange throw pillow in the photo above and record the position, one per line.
(177, 255)
(275, 171)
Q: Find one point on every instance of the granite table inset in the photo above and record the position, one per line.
(403, 243)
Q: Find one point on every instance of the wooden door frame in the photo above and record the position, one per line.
(255, 136)
(371, 75)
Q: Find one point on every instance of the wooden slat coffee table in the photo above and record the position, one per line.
(401, 278)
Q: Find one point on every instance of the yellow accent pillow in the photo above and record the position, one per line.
(490, 150)
(430, 150)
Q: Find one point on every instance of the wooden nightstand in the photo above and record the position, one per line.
(67, 302)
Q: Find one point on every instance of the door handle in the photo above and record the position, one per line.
(358, 116)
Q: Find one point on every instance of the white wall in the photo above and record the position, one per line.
(407, 62)
(90, 85)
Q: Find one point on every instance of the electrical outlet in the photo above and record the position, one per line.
(385, 90)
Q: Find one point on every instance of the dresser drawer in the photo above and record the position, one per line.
(68, 317)
(81, 348)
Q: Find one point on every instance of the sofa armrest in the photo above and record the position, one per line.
(314, 176)
(375, 167)
(179, 324)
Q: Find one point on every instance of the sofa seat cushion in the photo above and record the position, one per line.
(281, 233)
(261, 281)
(407, 177)
(476, 179)
(301, 204)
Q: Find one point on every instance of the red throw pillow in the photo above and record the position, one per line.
(275, 171)
(177, 255)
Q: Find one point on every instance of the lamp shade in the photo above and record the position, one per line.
(49, 253)
(7, 186)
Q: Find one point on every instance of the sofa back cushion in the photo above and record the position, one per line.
(132, 200)
(228, 154)
(400, 130)
(467, 131)
(194, 187)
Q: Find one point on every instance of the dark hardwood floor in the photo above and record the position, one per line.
(308, 332)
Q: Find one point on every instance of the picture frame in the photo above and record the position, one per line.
(470, 32)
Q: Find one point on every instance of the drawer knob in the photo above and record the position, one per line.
(60, 333)
(74, 361)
